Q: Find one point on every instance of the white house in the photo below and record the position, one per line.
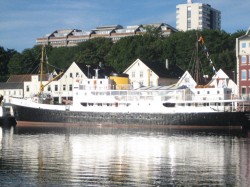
(61, 89)
(153, 73)
(221, 79)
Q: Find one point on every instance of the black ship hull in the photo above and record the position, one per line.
(219, 119)
(7, 121)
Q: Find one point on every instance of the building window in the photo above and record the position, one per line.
(64, 87)
(70, 87)
(27, 88)
(243, 75)
(49, 88)
(189, 24)
(77, 74)
(243, 59)
(141, 74)
(56, 87)
(244, 45)
(71, 75)
(243, 90)
(133, 74)
(189, 14)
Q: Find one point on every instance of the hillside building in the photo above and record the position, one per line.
(71, 37)
(197, 16)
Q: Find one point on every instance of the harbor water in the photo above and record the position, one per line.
(118, 156)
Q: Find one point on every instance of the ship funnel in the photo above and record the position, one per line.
(96, 73)
(167, 66)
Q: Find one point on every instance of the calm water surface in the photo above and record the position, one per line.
(108, 156)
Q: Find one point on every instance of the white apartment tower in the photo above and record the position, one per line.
(197, 16)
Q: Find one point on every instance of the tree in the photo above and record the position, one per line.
(94, 51)
(5, 57)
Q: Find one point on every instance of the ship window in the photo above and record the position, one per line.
(84, 104)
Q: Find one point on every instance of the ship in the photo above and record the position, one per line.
(113, 100)
(103, 101)
(6, 117)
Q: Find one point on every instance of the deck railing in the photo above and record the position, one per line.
(178, 95)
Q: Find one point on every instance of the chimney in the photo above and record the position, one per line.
(167, 64)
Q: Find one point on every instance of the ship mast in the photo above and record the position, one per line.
(41, 72)
(197, 64)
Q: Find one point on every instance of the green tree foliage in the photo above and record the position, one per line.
(93, 51)
(178, 48)
(61, 57)
(5, 57)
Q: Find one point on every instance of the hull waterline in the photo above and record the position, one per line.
(216, 119)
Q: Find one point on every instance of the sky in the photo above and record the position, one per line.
(22, 21)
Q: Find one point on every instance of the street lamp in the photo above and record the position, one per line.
(88, 70)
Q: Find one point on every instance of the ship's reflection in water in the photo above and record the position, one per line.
(113, 156)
